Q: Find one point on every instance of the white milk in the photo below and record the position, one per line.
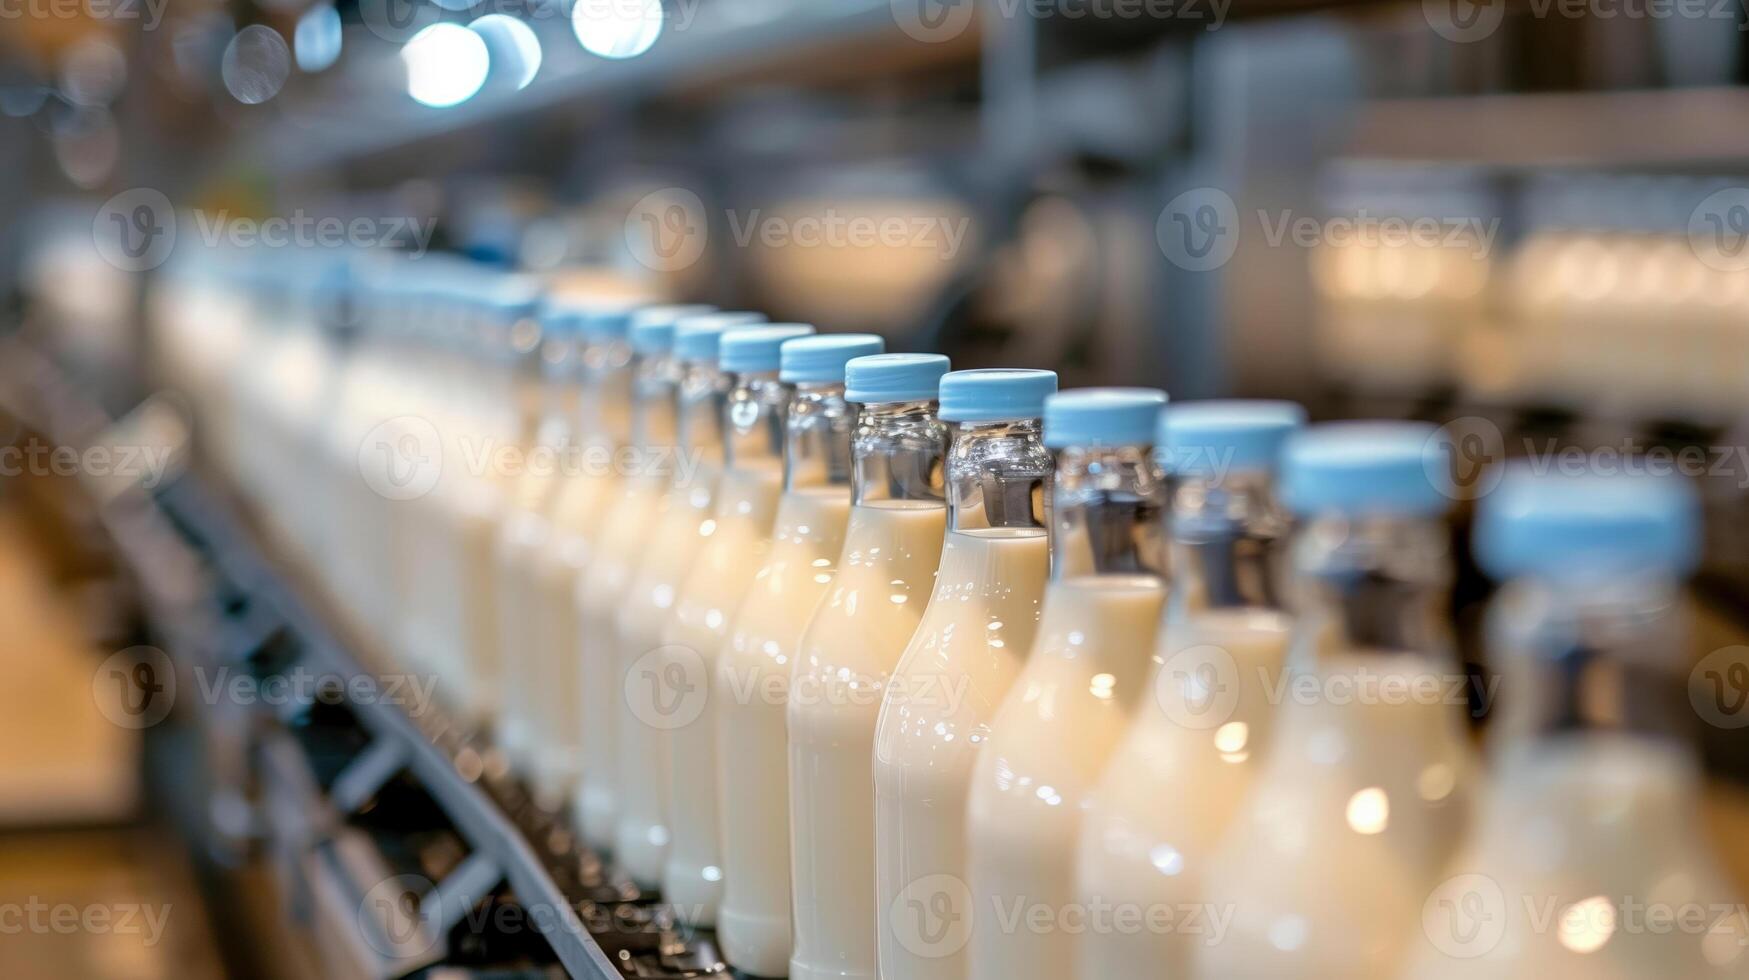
(1198, 740)
(886, 573)
(1049, 741)
(627, 527)
(1084, 679)
(971, 645)
(1589, 857)
(654, 698)
(752, 421)
(751, 694)
(1363, 792)
(938, 713)
(1173, 785)
(891, 551)
(751, 689)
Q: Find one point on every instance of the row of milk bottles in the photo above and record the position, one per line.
(885, 670)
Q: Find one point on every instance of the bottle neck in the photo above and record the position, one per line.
(1227, 541)
(998, 475)
(1593, 656)
(654, 427)
(1106, 512)
(816, 452)
(605, 402)
(898, 454)
(1374, 585)
(700, 401)
(559, 387)
(752, 422)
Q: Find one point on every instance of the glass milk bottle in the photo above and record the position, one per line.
(751, 688)
(579, 505)
(736, 540)
(1361, 798)
(891, 550)
(1588, 858)
(972, 642)
(1083, 682)
(1188, 758)
(525, 532)
(455, 581)
(644, 470)
(652, 699)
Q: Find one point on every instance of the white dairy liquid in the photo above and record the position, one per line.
(1586, 863)
(750, 694)
(577, 507)
(709, 601)
(524, 532)
(625, 531)
(864, 623)
(650, 701)
(1048, 745)
(936, 716)
(1174, 783)
(1363, 798)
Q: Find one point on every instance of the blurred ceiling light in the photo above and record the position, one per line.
(446, 64)
(317, 38)
(512, 45)
(256, 64)
(93, 72)
(617, 28)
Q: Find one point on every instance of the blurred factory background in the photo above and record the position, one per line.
(1527, 219)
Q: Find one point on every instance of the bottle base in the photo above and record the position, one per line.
(756, 945)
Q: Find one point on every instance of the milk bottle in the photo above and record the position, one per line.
(1082, 683)
(738, 539)
(1361, 798)
(751, 688)
(451, 575)
(579, 504)
(1188, 758)
(1587, 859)
(641, 834)
(525, 532)
(971, 644)
(643, 477)
(891, 550)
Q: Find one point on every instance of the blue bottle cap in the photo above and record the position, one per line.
(652, 327)
(565, 314)
(1558, 525)
(608, 322)
(696, 338)
(755, 350)
(1213, 438)
(995, 394)
(880, 378)
(822, 359)
(1360, 469)
(1102, 417)
(511, 297)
